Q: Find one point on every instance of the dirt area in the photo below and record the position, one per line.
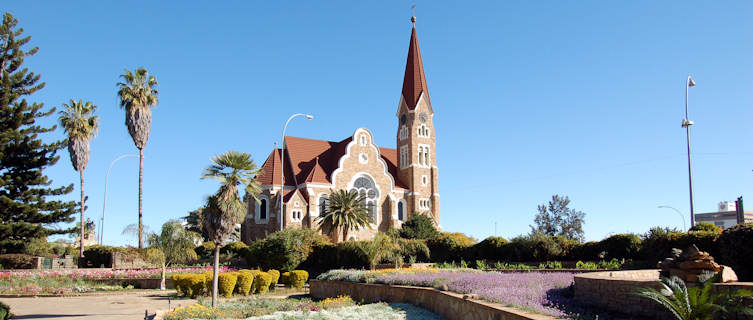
(125, 306)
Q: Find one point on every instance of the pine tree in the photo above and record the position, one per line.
(26, 212)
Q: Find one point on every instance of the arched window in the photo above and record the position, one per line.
(400, 209)
(323, 199)
(263, 209)
(366, 188)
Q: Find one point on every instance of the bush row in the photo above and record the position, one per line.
(242, 282)
(17, 261)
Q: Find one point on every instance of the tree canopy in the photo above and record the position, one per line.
(555, 218)
(26, 210)
(419, 226)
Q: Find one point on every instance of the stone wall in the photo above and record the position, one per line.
(614, 291)
(447, 304)
(122, 260)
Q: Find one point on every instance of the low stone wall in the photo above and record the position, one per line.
(447, 304)
(614, 291)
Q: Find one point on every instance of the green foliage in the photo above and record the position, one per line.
(283, 250)
(536, 247)
(41, 248)
(449, 246)
(550, 265)
(586, 265)
(736, 251)
(556, 219)
(262, 280)
(297, 278)
(205, 250)
(30, 207)
(5, 312)
(275, 278)
(98, 256)
(285, 278)
(419, 226)
(491, 248)
(189, 285)
(707, 227)
(698, 302)
(194, 221)
(346, 211)
(17, 261)
(481, 265)
(174, 242)
(626, 245)
(227, 284)
(235, 248)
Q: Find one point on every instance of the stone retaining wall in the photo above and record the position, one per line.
(449, 305)
(614, 291)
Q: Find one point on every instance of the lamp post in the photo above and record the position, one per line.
(678, 212)
(686, 123)
(282, 160)
(104, 202)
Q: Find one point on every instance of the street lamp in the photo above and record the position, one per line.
(678, 212)
(282, 160)
(104, 202)
(686, 123)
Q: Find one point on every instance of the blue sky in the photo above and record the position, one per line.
(581, 98)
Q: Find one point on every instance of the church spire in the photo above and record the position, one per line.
(414, 82)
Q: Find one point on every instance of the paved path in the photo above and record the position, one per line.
(126, 306)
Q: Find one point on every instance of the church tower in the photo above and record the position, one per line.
(416, 139)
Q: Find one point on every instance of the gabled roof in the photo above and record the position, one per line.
(314, 161)
(414, 82)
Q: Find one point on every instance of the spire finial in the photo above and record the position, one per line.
(413, 17)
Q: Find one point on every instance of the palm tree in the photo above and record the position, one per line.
(346, 210)
(698, 302)
(174, 244)
(81, 125)
(137, 95)
(226, 208)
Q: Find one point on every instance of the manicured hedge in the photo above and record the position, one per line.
(297, 279)
(226, 283)
(17, 261)
(245, 282)
(736, 250)
(262, 280)
(275, 277)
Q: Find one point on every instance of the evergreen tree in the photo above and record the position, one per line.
(555, 218)
(25, 211)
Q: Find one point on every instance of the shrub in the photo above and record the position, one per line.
(208, 277)
(448, 247)
(708, 227)
(587, 251)
(179, 283)
(4, 311)
(622, 246)
(245, 282)
(736, 251)
(586, 265)
(193, 284)
(419, 226)
(205, 250)
(17, 261)
(97, 256)
(235, 249)
(535, 247)
(226, 284)
(285, 278)
(39, 247)
(283, 250)
(491, 248)
(194, 311)
(275, 277)
(262, 280)
(298, 278)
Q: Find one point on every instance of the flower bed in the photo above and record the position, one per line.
(539, 292)
(342, 307)
(77, 280)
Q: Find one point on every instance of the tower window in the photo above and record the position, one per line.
(400, 210)
(424, 204)
(403, 133)
(263, 209)
(404, 157)
(424, 180)
(423, 131)
(424, 157)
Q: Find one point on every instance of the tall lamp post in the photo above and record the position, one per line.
(686, 123)
(104, 202)
(282, 160)
(684, 229)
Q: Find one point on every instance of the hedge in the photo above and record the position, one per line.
(297, 278)
(17, 261)
(275, 278)
(736, 250)
(245, 282)
(226, 284)
(262, 280)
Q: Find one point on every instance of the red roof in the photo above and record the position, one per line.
(314, 161)
(414, 82)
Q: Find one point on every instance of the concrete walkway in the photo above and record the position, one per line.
(125, 306)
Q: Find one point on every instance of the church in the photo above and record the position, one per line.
(397, 183)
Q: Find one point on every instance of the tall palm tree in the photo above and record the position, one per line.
(346, 210)
(138, 93)
(226, 208)
(79, 122)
